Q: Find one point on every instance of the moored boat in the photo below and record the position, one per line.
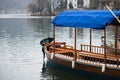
(97, 59)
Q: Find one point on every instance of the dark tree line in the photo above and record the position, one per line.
(40, 7)
(47, 7)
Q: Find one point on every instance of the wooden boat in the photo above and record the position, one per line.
(96, 59)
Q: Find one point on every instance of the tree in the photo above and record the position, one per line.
(33, 7)
(44, 5)
(40, 6)
(61, 5)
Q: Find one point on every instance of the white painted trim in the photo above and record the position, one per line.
(103, 67)
(52, 55)
(73, 64)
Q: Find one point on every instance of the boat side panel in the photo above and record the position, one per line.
(85, 67)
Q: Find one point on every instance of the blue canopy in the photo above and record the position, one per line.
(95, 19)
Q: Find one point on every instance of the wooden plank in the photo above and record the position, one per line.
(101, 56)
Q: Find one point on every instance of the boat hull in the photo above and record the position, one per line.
(85, 67)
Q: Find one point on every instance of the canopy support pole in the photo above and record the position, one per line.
(75, 56)
(116, 42)
(104, 64)
(54, 38)
(90, 39)
(105, 46)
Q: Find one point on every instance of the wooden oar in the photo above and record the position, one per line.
(112, 13)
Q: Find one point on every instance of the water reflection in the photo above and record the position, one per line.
(43, 69)
(19, 51)
(41, 26)
(71, 33)
(21, 54)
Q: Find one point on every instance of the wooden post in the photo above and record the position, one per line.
(75, 56)
(116, 39)
(116, 44)
(90, 39)
(104, 64)
(81, 47)
(105, 45)
(54, 38)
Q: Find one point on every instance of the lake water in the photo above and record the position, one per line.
(21, 55)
